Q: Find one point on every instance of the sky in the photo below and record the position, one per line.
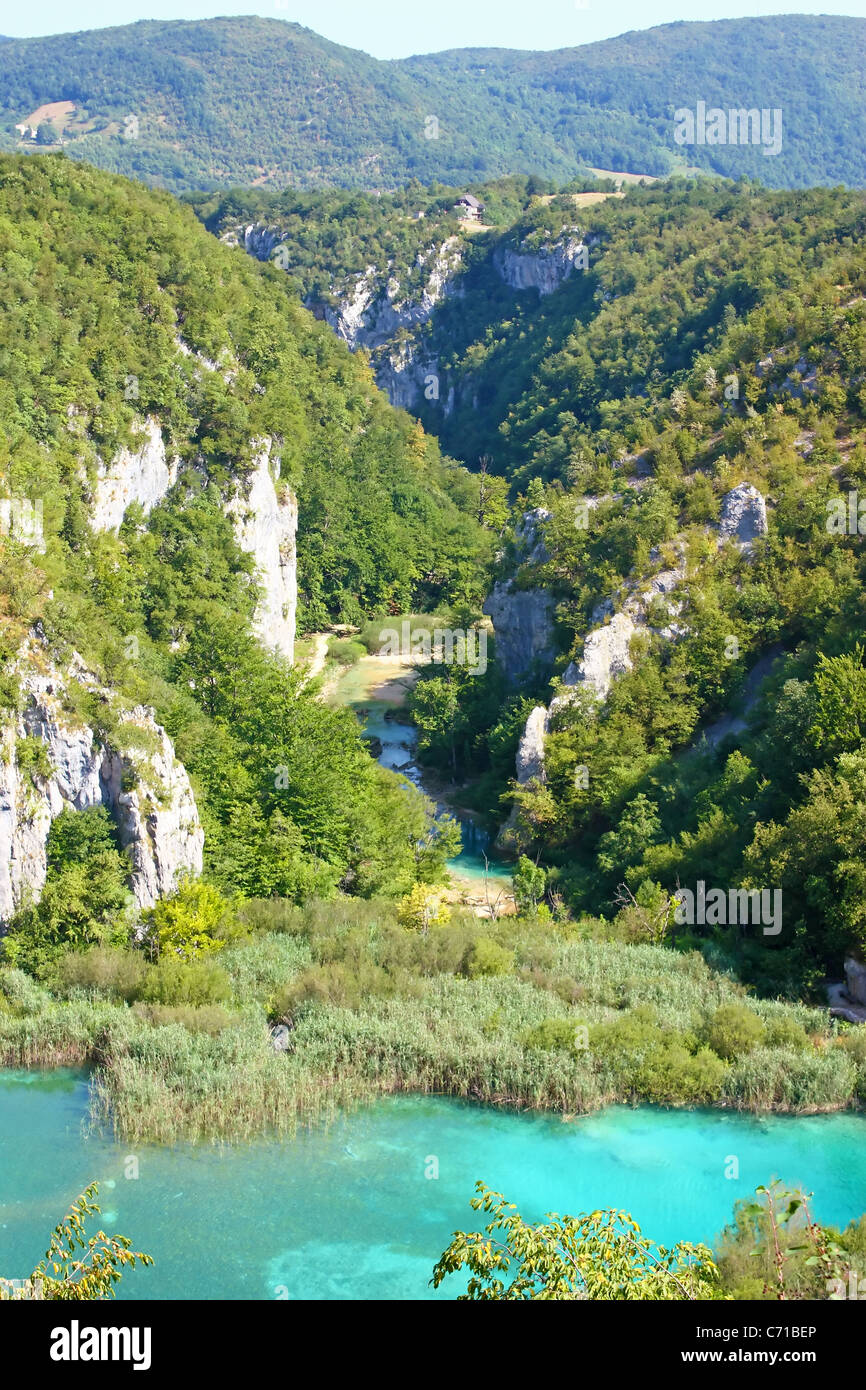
(397, 28)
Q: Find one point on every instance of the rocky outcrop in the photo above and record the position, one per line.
(523, 617)
(606, 655)
(523, 622)
(374, 310)
(376, 306)
(546, 269)
(855, 980)
(142, 475)
(136, 777)
(407, 379)
(607, 648)
(265, 519)
(743, 516)
(530, 753)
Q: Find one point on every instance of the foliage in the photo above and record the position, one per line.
(422, 909)
(78, 1267)
(187, 924)
(598, 1255)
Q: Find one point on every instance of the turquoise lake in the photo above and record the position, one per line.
(348, 1213)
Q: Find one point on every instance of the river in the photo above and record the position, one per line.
(349, 1213)
(376, 689)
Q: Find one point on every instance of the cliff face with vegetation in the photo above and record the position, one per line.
(209, 467)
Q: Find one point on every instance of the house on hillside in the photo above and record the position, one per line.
(469, 208)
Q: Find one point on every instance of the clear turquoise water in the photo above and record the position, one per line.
(349, 1213)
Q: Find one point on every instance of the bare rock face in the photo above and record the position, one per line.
(523, 622)
(530, 754)
(158, 820)
(605, 656)
(143, 475)
(544, 270)
(265, 524)
(743, 517)
(143, 786)
(523, 618)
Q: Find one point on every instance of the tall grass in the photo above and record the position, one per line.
(374, 1009)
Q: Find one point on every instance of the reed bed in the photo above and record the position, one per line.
(571, 1026)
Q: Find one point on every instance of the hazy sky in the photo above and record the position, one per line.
(396, 28)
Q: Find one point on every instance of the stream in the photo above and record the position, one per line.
(376, 689)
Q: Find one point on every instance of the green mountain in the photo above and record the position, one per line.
(241, 101)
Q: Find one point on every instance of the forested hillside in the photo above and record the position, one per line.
(214, 103)
(718, 341)
(116, 306)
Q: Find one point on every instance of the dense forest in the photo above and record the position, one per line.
(214, 103)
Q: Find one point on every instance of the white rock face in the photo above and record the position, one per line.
(605, 656)
(543, 270)
(158, 820)
(374, 310)
(530, 754)
(143, 475)
(743, 516)
(265, 526)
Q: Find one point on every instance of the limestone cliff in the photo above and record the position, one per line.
(134, 774)
(523, 617)
(378, 311)
(265, 522)
(264, 516)
(608, 647)
(143, 475)
(544, 269)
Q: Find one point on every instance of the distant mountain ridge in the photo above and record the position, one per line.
(249, 101)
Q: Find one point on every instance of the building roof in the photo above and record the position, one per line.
(470, 200)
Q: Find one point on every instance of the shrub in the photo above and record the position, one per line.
(186, 924)
(175, 981)
(487, 957)
(338, 984)
(656, 1064)
(345, 651)
(119, 974)
(733, 1031)
(786, 1032)
(555, 1035)
(422, 909)
(22, 994)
